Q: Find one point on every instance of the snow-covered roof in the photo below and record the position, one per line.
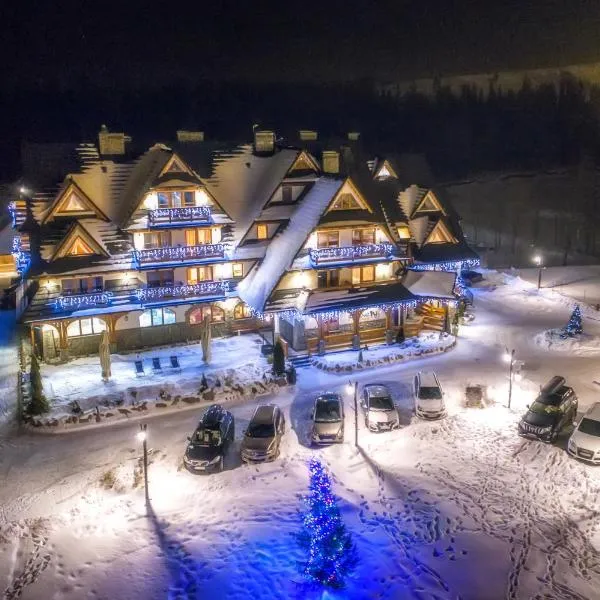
(258, 285)
(434, 284)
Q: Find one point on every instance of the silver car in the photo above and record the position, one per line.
(262, 439)
(328, 420)
(380, 412)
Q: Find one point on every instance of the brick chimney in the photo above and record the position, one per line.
(185, 136)
(331, 162)
(111, 143)
(264, 141)
(308, 135)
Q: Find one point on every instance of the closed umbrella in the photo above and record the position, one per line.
(104, 352)
(206, 337)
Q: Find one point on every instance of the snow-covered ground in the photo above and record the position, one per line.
(460, 508)
(9, 365)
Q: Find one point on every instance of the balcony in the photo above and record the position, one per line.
(164, 217)
(82, 301)
(344, 254)
(177, 254)
(173, 292)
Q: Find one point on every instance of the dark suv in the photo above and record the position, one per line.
(208, 444)
(554, 409)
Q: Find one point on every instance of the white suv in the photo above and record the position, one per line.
(429, 397)
(584, 442)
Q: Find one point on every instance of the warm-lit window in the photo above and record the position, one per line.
(73, 204)
(157, 239)
(81, 327)
(197, 274)
(328, 279)
(346, 202)
(79, 248)
(363, 236)
(367, 273)
(176, 199)
(262, 231)
(157, 316)
(328, 239)
(238, 270)
(214, 313)
(160, 278)
(403, 232)
(198, 237)
(84, 285)
(241, 311)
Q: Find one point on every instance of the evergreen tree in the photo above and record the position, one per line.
(37, 405)
(331, 552)
(278, 358)
(574, 326)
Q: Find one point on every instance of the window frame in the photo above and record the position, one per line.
(94, 323)
(167, 198)
(245, 310)
(331, 235)
(202, 268)
(262, 227)
(153, 311)
(162, 279)
(236, 266)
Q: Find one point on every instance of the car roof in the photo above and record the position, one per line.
(212, 416)
(377, 389)
(264, 414)
(428, 379)
(329, 396)
(593, 412)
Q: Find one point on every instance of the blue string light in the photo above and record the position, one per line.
(350, 252)
(181, 214)
(574, 326)
(77, 301)
(331, 552)
(175, 253)
(455, 265)
(182, 291)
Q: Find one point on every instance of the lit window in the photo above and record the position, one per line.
(79, 248)
(214, 313)
(81, 327)
(241, 311)
(157, 316)
(262, 232)
(346, 202)
(403, 232)
(157, 239)
(238, 270)
(367, 273)
(328, 239)
(196, 274)
(198, 237)
(363, 236)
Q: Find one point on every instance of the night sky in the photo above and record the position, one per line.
(143, 44)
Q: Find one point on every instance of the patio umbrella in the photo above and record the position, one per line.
(104, 352)
(206, 336)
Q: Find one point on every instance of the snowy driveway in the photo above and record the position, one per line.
(462, 508)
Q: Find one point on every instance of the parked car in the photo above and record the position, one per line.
(584, 442)
(429, 396)
(262, 439)
(209, 442)
(328, 419)
(379, 409)
(554, 409)
(471, 277)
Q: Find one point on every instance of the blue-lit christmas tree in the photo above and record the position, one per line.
(574, 326)
(331, 552)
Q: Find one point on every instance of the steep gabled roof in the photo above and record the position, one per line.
(73, 201)
(256, 288)
(78, 237)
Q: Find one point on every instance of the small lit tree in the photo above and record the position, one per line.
(331, 552)
(574, 326)
(37, 405)
(278, 358)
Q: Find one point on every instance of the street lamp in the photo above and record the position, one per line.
(509, 357)
(350, 388)
(142, 436)
(537, 259)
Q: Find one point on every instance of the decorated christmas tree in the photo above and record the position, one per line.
(573, 327)
(331, 552)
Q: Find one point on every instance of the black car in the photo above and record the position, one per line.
(554, 409)
(471, 277)
(208, 444)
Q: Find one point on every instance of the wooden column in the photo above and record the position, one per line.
(111, 326)
(356, 329)
(63, 340)
(388, 318)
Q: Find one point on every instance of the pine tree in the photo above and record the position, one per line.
(331, 552)
(37, 405)
(278, 358)
(574, 326)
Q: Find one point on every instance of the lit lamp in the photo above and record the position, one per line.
(537, 259)
(142, 436)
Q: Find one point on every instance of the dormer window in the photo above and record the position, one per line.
(403, 232)
(176, 199)
(346, 202)
(262, 231)
(286, 194)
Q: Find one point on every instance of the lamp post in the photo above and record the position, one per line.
(142, 436)
(353, 388)
(537, 259)
(509, 357)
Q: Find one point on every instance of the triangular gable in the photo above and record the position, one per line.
(429, 203)
(78, 242)
(440, 235)
(175, 165)
(73, 202)
(303, 162)
(385, 170)
(348, 198)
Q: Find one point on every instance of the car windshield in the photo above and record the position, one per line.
(549, 401)
(430, 393)
(381, 403)
(327, 410)
(590, 427)
(541, 414)
(260, 430)
(207, 437)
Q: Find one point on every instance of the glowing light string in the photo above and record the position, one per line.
(161, 216)
(350, 252)
(183, 291)
(174, 253)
